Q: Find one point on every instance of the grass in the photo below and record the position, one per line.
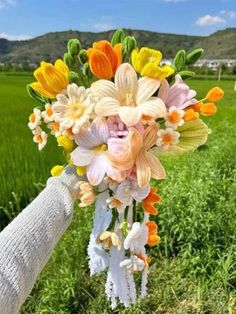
(193, 269)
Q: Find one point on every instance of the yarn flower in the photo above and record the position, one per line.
(146, 61)
(128, 97)
(52, 79)
(104, 59)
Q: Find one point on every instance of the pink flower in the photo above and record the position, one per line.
(119, 129)
(178, 95)
(93, 152)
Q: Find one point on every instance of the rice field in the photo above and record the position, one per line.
(193, 270)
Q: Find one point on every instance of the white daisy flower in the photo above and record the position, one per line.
(34, 119)
(74, 108)
(47, 115)
(133, 264)
(167, 137)
(137, 237)
(40, 137)
(174, 117)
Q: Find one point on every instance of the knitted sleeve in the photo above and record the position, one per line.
(26, 243)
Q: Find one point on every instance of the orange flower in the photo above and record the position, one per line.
(215, 94)
(196, 106)
(190, 115)
(104, 59)
(150, 200)
(153, 238)
(208, 109)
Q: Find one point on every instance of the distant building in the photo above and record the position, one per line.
(212, 64)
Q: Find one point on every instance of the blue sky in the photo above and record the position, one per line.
(22, 19)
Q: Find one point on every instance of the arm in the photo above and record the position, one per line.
(26, 243)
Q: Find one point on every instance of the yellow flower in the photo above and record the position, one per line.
(146, 61)
(52, 79)
(57, 170)
(66, 143)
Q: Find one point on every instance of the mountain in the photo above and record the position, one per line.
(50, 46)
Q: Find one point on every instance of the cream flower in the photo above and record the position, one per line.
(114, 202)
(128, 97)
(86, 194)
(167, 137)
(74, 108)
(40, 137)
(109, 239)
(47, 114)
(137, 237)
(34, 119)
(174, 117)
(133, 264)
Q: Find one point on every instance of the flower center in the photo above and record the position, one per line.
(174, 117)
(129, 100)
(38, 138)
(49, 111)
(100, 148)
(76, 110)
(167, 138)
(32, 118)
(56, 126)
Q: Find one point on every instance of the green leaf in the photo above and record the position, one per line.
(35, 95)
(118, 37)
(193, 56)
(179, 60)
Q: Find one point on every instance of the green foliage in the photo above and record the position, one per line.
(193, 268)
(193, 56)
(118, 37)
(179, 60)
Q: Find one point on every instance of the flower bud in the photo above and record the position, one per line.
(118, 37)
(73, 77)
(57, 170)
(66, 143)
(215, 94)
(208, 109)
(190, 115)
(86, 70)
(129, 44)
(83, 57)
(68, 59)
(74, 47)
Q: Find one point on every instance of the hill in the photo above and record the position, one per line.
(50, 46)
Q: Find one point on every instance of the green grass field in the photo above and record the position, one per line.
(193, 269)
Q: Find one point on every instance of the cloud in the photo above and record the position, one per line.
(208, 20)
(4, 4)
(14, 37)
(228, 14)
(105, 23)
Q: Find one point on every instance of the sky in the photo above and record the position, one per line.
(24, 19)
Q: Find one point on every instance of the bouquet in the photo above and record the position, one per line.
(115, 109)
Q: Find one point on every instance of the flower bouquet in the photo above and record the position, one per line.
(115, 109)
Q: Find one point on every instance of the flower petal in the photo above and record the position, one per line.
(154, 108)
(158, 171)
(104, 88)
(164, 90)
(107, 106)
(150, 136)
(130, 115)
(143, 170)
(126, 81)
(146, 88)
(100, 128)
(82, 157)
(97, 170)
(99, 64)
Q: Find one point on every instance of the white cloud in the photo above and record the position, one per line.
(14, 37)
(103, 24)
(228, 14)
(208, 20)
(4, 4)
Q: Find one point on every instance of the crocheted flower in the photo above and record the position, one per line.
(174, 117)
(167, 137)
(137, 237)
(109, 239)
(133, 264)
(47, 114)
(73, 110)
(128, 97)
(34, 119)
(40, 137)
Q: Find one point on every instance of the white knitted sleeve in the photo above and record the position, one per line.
(26, 243)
